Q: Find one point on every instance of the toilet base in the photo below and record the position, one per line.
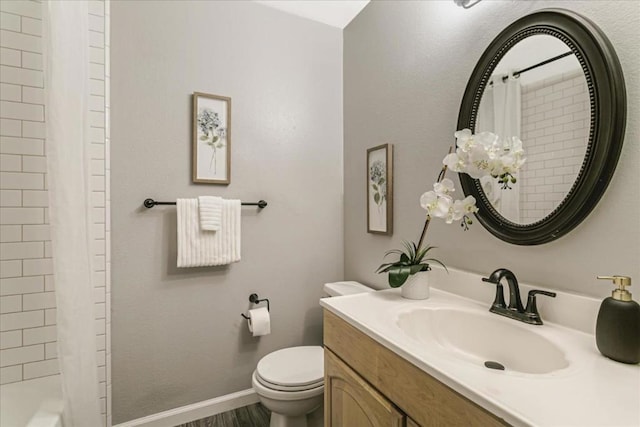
(279, 420)
(288, 408)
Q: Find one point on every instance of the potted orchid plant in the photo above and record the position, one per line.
(479, 155)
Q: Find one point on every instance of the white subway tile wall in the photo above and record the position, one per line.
(27, 297)
(555, 128)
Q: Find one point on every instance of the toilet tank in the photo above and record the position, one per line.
(337, 289)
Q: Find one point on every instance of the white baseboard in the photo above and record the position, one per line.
(195, 411)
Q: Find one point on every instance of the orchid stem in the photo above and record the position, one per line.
(424, 231)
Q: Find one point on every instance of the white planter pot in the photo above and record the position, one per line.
(416, 286)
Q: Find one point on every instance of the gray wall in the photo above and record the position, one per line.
(406, 65)
(178, 337)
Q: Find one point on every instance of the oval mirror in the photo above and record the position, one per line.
(553, 80)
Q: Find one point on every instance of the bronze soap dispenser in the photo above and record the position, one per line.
(618, 324)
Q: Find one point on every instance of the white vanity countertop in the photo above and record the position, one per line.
(592, 391)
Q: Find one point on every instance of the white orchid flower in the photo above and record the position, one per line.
(488, 140)
(478, 165)
(442, 206)
(445, 187)
(497, 166)
(515, 145)
(460, 208)
(508, 163)
(465, 140)
(511, 163)
(468, 205)
(454, 213)
(454, 162)
(510, 158)
(463, 136)
(483, 155)
(429, 200)
(435, 205)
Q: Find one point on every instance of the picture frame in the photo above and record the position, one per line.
(380, 189)
(211, 148)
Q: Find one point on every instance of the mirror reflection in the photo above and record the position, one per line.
(537, 92)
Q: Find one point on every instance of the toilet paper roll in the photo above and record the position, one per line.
(259, 322)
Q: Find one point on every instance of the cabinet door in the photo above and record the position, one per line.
(350, 401)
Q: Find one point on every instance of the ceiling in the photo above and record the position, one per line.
(337, 13)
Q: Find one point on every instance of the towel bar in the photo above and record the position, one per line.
(149, 203)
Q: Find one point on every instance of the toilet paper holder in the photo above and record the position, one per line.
(255, 299)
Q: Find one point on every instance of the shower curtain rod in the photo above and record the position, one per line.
(149, 203)
(539, 64)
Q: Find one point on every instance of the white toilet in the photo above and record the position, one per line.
(290, 382)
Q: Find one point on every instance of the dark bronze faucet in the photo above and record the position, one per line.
(515, 310)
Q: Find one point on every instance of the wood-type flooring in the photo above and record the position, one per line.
(247, 416)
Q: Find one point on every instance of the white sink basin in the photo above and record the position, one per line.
(554, 374)
(478, 337)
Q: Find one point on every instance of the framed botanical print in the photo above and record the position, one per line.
(211, 157)
(380, 189)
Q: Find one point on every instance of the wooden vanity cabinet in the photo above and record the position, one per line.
(367, 384)
(351, 401)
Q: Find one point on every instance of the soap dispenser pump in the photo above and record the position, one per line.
(618, 324)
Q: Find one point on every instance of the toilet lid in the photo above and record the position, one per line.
(294, 367)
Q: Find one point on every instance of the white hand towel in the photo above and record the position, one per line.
(210, 212)
(199, 248)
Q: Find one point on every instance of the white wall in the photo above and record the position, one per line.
(178, 336)
(406, 65)
(28, 311)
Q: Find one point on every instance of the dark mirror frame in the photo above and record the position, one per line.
(605, 83)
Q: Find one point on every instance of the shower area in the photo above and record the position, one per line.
(55, 225)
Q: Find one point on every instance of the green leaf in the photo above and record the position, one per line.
(416, 268)
(399, 275)
(375, 187)
(411, 260)
(393, 251)
(410, 250)
(204, 138)
(384, 267)
(381, 181)
(376, 197)
(437, 262)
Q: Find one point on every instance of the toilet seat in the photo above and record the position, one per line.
(292, 369)
(284, 396)
(287, 388)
